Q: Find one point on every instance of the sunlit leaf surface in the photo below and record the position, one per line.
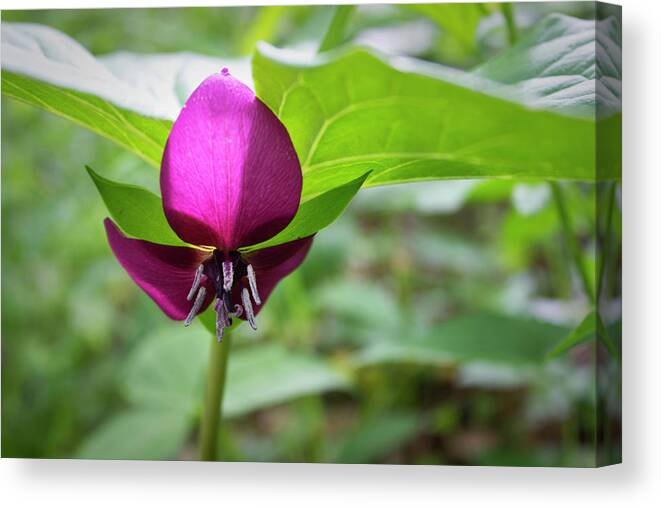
(408, 120)
(138, 212)
(317, 212)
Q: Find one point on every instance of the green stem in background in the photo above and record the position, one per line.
(335, 33)
(607, 233)
(213, 398)
(508, 13)
(264, 27)
(572, 243)
(579, 265)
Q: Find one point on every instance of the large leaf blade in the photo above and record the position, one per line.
(49, 70)
(409, 126)
(409, 120)
(128, 98)
(558, 61)
(142, 135)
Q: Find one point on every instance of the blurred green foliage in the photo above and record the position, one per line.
(368, 353)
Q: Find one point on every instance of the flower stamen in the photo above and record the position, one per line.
(252, 281)
(247, 307)
(199, 299)
(196, 282)
(221, 320)
(228, 275)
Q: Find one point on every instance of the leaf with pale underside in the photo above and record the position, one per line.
(128, 98)
(569, 63)
(49, 70)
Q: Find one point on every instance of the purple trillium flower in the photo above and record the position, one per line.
(230, 178)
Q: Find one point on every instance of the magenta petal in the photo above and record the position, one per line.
(230, 176)
(165, 273)
(271, 265)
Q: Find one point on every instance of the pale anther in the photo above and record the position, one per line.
(247, 308)
(252, 280)
(196, 282)
(228, 275)
(199, 299)
(221, 322)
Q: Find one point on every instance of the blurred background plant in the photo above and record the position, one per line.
(417, 331)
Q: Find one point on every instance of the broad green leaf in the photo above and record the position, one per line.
(47, 69)
(377, 437)
(142, 135)
(165, 371)
(138, 212)
(408, 120)
(567, 62)
(267, 374)
(583, 332)
(317, 212)
(138, 434)
(170, 78)
(572, 65)
(481, 337)
(128, 98)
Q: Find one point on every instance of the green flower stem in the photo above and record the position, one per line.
(572, 243)
(213, 399)
(508, 13)
(335, 33)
